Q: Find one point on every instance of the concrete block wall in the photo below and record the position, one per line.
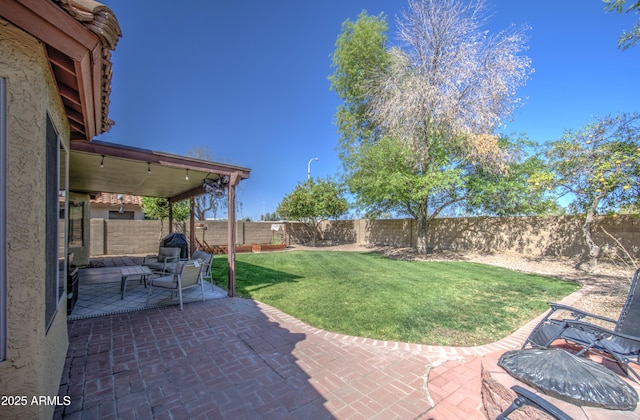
(262, 232)
(395, 233)
(97, 246)
(560, 235)
(130, 237)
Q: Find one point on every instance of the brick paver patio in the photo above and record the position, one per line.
(235, 358)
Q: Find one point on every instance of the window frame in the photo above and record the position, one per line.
(3, 219)
(55, 233)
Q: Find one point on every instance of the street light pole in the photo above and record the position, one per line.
(309, 167)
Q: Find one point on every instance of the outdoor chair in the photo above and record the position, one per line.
(526, 397)
(167, 258)
(207, 261)
(189, 274)
(620, 343)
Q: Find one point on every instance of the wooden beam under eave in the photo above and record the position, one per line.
(199, 190)
(62, 61)
(79, 128)
(69, 94)
(75, 116)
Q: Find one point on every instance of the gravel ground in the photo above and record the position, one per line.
(605, 291)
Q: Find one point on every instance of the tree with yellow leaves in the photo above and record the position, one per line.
(598, 169)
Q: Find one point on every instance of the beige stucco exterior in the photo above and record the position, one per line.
(35, 356)
(101, 211)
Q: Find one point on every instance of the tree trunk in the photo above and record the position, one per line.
(594, 249)
(314, 231)
(423, 222)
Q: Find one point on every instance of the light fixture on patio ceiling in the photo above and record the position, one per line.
(149, 168)
(216, 186)
(102, 162)
(187, 176)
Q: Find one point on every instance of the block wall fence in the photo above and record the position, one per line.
(561, 236)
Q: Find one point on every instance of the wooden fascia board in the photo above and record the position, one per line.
(52, 25)
(97, 80)
(86, 89)
(158, 158)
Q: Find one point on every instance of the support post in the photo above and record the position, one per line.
(192, 225)
(234, 179)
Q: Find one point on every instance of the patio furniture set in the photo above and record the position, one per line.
(167, 271)
(555, 358)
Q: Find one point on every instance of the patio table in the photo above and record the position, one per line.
(132, 271)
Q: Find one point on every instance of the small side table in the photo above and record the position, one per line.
(133, 271)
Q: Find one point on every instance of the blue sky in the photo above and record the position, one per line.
(248, 79)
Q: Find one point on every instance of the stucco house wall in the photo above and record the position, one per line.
(107, 205)
(35, 356)
(102, 211)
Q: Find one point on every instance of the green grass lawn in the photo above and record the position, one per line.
(368, 295)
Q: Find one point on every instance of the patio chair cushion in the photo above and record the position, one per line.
(169, 281)
(166, 282)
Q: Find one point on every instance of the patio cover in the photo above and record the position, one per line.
(99, 166)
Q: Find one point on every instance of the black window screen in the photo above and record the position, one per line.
(52, 203)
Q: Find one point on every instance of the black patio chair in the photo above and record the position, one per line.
(620, 344)
(526, 397)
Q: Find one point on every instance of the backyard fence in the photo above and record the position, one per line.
(535, 236)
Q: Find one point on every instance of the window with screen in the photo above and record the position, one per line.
(3, 219)
(55, 222)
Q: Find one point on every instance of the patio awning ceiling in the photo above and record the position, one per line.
(78, 37)
(98, 166)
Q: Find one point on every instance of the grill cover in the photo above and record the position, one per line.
(177, 240)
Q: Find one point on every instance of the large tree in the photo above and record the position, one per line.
(597, 169)
(387, 183)
(419, 119)
(208, 202)
(158, 209)
(314, 201)
(628, 38)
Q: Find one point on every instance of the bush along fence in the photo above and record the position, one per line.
(536, 236)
